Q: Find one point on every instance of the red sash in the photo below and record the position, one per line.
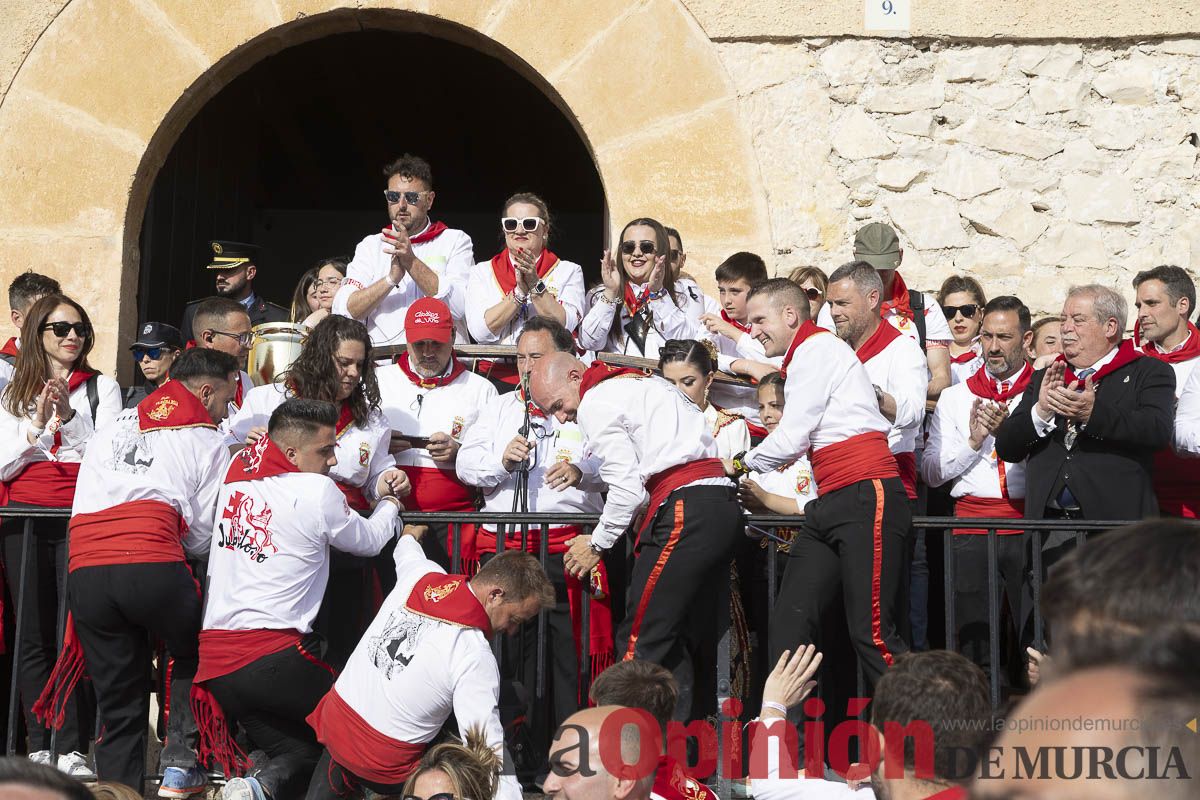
(358, 747)
(1126, 354)
(429, 234)
(983, 385)
(456, 369)
(660, 485)
(964, 358)
(50, 484)
(436, 489)
(809, 328)
(1190, 349)
(900, 302)
(354, 496)
(860, 458)
(503, 371)
(988, 507)
(906, 463)
(224, 652)
(448, 598)
(506, 274)
(599, 372)
(741, 326)
(1177, 484)
(172, 406)
(877, 342)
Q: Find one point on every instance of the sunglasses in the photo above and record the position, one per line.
(438, 796)
(244, 339)
(675, 254)
(153, 353)
(968, 311)
(813, 293)
(411, 198)
(641, 248)
(527, 224)
(61, 329)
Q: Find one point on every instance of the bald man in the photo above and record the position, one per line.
(583, 756)
(656, 453)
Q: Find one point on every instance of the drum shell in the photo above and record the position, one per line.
(276, 347)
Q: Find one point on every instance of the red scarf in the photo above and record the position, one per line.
(429, 234)
(506, 275)
(1190, 349)
(1126, 354)
(634, 304)
(877, 342)
(170, 407)
(448, 598)
(10, 348)
(238, 393)
(740, 326)
(456, 369)
(809, 328)
(964, 358)
(983, 385)
(899, 302)
(599, 371)
(263, 459)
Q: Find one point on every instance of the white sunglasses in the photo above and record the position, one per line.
(527, 224)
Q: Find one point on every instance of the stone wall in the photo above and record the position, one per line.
(1029, 166)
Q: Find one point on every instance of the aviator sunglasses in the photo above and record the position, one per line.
(411, 198)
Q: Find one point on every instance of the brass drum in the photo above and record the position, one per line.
(276, 347)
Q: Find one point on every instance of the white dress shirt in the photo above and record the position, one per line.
(901, 370)
(564, 281)
(668, 321)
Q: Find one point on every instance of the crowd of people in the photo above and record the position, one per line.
(247, 542)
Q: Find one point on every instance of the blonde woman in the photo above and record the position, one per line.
(453, 771)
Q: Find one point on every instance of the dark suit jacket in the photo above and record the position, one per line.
(1110, 467)
(260, 311)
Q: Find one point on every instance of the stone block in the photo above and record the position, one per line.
(1178, 161)
(857, 136)
(1113, 128)
(1129, 82)
(1100, 198)
(905, 99)
(966, 176)
(1066, 244)
(930, 222)
(1049, 61)
(1051, 96)
(851, 61)
(1080, 155)
(975, 63)
(998, 96)
(918, 123)
(897, 174)
(558, 39)
(1007, 137)
(218, 33)
(754, 66)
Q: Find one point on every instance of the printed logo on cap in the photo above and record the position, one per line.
(427, 318)
(149, 327)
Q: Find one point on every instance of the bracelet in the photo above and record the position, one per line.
(780, 707)
(616, 301)
(518, 298)
(661, 293)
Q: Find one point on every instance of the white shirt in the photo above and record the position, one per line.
(728, 431)
(182, 467)
(668, 321)
(733, 397)
(410, 672)
(451, 409)
(480, 464)
(961, 371)
(1183, 369)
(794, 480)
(15, 451)
(1043, 427)
(1187, 417)
(269, 561)
(829, 399)
(948, 453)
(450, 255)
(773, 787)
(695, 301)
(639, 427)
(901, 370)
(937, 330)
(564, 282)
(362, 453)
(246, 385)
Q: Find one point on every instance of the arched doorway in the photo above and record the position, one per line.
(288, 156)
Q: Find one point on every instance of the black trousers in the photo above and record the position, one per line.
(270, 698)
(331, 781)
(681, 565)
(971, 594)
(45, 574)
(117, 609)
(854, 539)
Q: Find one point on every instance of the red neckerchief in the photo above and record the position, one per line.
(10, 348)
(741, 327)
(877, 342)
(967, 357)
(448, 598)
(634, 304)
(1190, 349)
(429, 234)
(77, 378)
(238, 393)
(506, 274)
(599, 371)
(534, 411)
(899, 302)
(263, 459)
(456, 369)
(1126, 354)
(983, 385)
(172, 406)
(809, 328)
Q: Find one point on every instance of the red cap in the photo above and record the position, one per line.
(428, 318)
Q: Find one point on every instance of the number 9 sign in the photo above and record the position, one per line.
(888, 8)
(886, 16)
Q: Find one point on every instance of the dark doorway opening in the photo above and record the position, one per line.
(289, 154)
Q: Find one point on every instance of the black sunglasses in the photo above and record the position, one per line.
(643, 247)
(968, 311)
(412, 198)
(813, 293)
(61, 329)
(154, 353)
(438, 796)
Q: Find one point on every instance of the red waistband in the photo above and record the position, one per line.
(223, 652)
(44, 483)
(485, 541)
(984, 507)
(503, 371)
(137, 532)
(358, 747)
(860, 458)
(906, 463)
(660, 485)
(435, 489)
(354, 496)
(1177, 484)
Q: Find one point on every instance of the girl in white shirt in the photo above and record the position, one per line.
(691, 365)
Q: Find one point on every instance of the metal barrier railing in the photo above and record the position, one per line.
(512, 524)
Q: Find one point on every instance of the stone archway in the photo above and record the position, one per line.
(110, 84)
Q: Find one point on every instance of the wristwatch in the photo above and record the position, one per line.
(739, 466)
(595, 548)
(539, 289)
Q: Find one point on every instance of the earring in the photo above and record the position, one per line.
(705, 395)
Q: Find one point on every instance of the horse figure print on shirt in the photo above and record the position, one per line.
(244, 529)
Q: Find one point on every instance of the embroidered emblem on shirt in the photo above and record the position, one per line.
(803, 482)
(364, 454)
(162, 409)
(436, 594)
(457, 428)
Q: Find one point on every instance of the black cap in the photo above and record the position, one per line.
(227, 255)
(158, 334)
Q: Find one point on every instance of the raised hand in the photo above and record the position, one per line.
(397, 245)
(791, 680)
(658, 274)
(610, 274)
(525, 266)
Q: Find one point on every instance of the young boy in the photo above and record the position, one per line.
(785, 490)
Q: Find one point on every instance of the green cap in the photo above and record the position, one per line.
(878, 245)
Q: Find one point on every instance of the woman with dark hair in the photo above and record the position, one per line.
(48, 411)
(691, 365)
(636, 308)
(962, 300)
(523, 280)
(313, 297)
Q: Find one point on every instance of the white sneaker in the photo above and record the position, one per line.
(40, 757)
(75, 765)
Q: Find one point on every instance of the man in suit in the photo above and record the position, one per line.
(235, 265)
(1091, 422)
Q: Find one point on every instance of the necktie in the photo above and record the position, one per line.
(1084, 373)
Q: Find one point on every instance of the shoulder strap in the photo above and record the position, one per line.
(93, 393)
(916, 301)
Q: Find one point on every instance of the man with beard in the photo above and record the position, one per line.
(961, 451)
(413, 257)
(430, 399)
(235, 265)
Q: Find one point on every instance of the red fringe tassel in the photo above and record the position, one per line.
(216, 745)
(51, 705)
